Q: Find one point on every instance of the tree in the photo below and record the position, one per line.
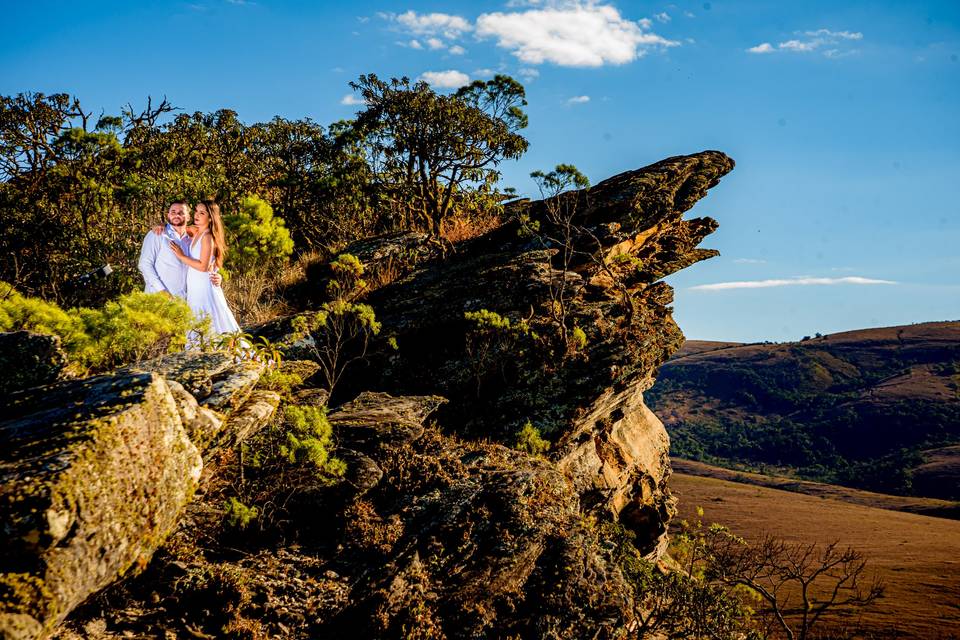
(426, 148)
(797, 582)
(341, 330)
(560, 214)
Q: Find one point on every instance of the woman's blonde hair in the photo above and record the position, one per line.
(216, 231)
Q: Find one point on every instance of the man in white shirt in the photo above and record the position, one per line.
(161, 269)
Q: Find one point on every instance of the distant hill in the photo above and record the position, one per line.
(877, 409)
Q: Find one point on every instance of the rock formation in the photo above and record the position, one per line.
(439, 524)
(629, 232)
(95, 474)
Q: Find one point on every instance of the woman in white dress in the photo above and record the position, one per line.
(207, 251)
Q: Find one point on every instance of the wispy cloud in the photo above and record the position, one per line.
(450, 79)
(787, 282)
(578, 100)
(528, 73)
(435, 43)
(810, 41)
(663, 17)
(571, 34)
(352, 100)
(456, 50)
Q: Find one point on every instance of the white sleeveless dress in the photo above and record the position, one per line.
(205, 299)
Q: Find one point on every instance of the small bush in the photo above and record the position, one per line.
(530, 440)
(309, 439)
(238, 515)
(282, 383)
(258, 239)
(132, 327)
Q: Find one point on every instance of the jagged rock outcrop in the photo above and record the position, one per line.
(29, 360)
(629, 231)
(95, 474)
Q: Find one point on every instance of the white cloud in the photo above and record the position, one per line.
(787, 282)
(435, 43)
(842, 35)
(689, 14)
(749, 261)
(574, 34)
(813, 41)
(457, 50)
(578, 100)
(415, 44)
(430, 24)
(352, 100)
(645, 23)
(484, 73)
(797, 45)
(450, 79)
(663, 17)
(764, 47)
(528, 73)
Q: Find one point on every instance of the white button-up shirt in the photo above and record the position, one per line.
(161, 269)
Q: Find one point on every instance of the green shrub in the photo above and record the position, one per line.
(309, 439)
(238, 515)
(282, 383)
(258, 239)
(346, 281)
(530, 440)
(128, 329)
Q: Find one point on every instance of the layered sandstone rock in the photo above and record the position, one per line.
(629, 231)
(93, 476)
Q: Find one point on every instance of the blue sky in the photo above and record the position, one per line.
(843, 118)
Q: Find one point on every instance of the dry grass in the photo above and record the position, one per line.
(458, 229)
(924, 506)
(917, 556)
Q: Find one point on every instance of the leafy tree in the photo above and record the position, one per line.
(426, 148)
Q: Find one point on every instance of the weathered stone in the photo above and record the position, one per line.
(631, 231)
(93, 476)
(29, 360)
(374, 418)
(494, 545)
(252, 416)
(362, 473)
(617, 456)
(203, 425)
(311, 397)
(217, 380)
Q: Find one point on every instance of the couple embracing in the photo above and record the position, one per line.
(183, 260)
